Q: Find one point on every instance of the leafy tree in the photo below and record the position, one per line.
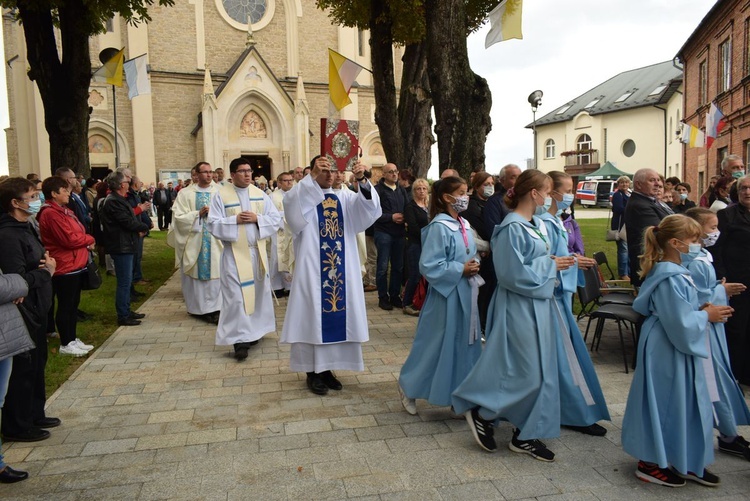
(63, 76)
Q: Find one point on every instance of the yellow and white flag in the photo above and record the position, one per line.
(342, 73)
(692, 136)
(111, 71)
(506, 22)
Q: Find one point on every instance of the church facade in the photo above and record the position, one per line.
(228, 78)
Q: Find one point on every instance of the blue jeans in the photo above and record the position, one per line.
(124, 274)
(390, 250)
(623, 268)
(413, 253)
(5, 367)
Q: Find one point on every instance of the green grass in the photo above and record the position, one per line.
(158, 266)
(594, 232)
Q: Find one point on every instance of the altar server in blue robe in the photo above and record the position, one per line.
(516, 377)
(448, 340)
(582, 402)
(668, 419)
(731, 409)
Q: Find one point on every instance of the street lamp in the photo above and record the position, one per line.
(535, 100)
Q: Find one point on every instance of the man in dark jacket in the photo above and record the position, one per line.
(140, 208)
(122, 229)
(390, 234)
(163, 199)
(643, 210)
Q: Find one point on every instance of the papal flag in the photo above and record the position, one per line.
(506, 22)
(692, 136)
(136, 74)
(111, 71)
(342, 73)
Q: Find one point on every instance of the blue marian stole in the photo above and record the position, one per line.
(332, 270)
(203, 198)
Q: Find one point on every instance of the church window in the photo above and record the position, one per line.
(253, 126)
(240, 10)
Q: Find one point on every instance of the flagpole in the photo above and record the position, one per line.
(114, 109)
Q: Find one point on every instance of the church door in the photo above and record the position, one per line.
(261, 165)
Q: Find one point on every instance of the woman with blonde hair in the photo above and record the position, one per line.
(668, 423)
(416, 217)
(516, 376)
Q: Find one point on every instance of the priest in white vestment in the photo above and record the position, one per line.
(282, 252)
(244, 218)
(197, 252)
(326, 320)
(339, 183)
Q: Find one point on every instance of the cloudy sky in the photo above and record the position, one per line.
(568, 48)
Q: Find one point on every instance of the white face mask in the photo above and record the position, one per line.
(711, 238)
(488, 191)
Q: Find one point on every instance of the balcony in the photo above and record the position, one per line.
(581, 162)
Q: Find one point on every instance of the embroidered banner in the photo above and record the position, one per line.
(332, 270)
(202, 199)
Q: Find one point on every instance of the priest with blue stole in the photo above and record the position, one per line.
(197, 252)
(244, 218)
(326, 320)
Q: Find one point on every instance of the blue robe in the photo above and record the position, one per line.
(731, 409)
(516, 378)
(576, 408)
(669, 418)
(444, 351)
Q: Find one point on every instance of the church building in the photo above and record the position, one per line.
(228, 78)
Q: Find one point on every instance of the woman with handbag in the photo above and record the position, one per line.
(24, 418)
(416, 217)
(619, 201)
(67, 241)
(14, 340)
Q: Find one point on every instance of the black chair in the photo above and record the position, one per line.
(619, 312)
(594, 293)
(601, 259)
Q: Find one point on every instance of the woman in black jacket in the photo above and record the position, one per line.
(482, 188)
(416, 218)
(24, 419)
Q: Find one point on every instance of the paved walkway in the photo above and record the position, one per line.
(159, 412)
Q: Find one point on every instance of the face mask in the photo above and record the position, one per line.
(567, 201)
(41, 197)
(83, 183)
(683, 196)
(34, 207)
(461, 203)
(711, 238)
(737, 174)
(694, 251)
(541, 209)
(489, 191)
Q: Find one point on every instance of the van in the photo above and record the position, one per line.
(595, 192)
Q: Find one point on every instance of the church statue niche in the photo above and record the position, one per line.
(99, 144)
(253, 126)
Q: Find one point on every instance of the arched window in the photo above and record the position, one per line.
(583, 145)
(549, 148)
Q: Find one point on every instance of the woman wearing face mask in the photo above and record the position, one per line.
(516, 376)
(24, 419)
(721, 191)
(682, 204)
(731, 409)
(581, 399)
(483, 187)
(668, 422)
(448, 340)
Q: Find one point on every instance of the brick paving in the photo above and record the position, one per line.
(159, 412)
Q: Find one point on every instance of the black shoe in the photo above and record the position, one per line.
(240, 353)
(128, 321)
(329, 379)
(279, 293)
(534, 448)
(707, 479)
(736, 447)
(594, 430)
(33, 435)
(134, 294)
(397, 303)
(649, 472)
(316, 384)
(48, 422)
(11, 476)
(136, 316)
(385, 305)
(211, 318)
(83, 316)
(483, 430)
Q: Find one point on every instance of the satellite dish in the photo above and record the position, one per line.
(107, 54)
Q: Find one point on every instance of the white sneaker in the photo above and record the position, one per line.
(83, 346)
(410, 405)
(72, 349)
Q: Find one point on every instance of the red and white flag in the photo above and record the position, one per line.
(715, 121)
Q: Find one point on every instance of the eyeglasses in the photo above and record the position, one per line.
(244, 171)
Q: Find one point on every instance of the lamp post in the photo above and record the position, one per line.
(535, 100)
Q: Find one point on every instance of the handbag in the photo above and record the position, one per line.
(611, 234)
(91, 278)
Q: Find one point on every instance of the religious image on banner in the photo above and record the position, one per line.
(339, 142)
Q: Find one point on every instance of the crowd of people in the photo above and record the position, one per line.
(489, 265)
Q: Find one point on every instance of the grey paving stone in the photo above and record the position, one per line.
(473, 490)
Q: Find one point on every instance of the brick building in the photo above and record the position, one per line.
(220, 89)
(716, 60)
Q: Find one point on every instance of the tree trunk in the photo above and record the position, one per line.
(63, 85)
(414, 110)
(386, 109)
(461, 98)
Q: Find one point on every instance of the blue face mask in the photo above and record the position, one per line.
(34, 207)
(737, 174)
(694, 250)
(541, 209)
(41, 197)
(567, 201)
